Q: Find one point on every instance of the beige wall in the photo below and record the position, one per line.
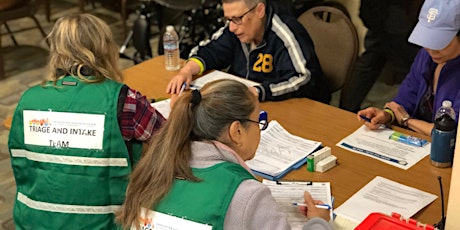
(353, 9)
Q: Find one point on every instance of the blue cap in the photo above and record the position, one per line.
(438, 23)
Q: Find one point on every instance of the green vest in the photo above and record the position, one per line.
(206, 201)
(60, 186)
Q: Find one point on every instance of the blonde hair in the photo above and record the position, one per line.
(222, 102)
(83, 41)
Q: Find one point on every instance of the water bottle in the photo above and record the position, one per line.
(443, 136)
(171, 49)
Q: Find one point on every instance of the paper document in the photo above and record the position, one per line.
(216, 75)
(163, 107)
(376, 144)
(384, 196)
(279, 150)
(286, 193)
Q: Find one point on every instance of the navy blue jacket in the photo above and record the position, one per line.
(285, 62)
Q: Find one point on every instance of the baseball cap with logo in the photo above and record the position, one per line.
(438, 23)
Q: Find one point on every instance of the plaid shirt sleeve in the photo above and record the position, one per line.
(139, 119)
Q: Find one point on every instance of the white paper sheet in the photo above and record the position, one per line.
(159, 221)
(384, 196)
(163, 107)
(216, 75)
(376, 144)
(289, 192)
(279, 150)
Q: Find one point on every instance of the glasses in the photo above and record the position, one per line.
(263, 120)
(239, 20)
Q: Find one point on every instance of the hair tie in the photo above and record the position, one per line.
(196, 97)
(82, 69)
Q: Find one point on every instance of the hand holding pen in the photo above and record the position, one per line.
(321, 206)
(310, 210)
(374, 118)
(184, 85)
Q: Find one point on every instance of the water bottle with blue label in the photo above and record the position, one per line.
(443, 136)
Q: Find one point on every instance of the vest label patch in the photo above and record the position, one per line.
(151, 220)
(63, 129)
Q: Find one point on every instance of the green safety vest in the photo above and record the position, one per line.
(206, 201)
(64, 187)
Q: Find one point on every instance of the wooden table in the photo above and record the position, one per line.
(317, 121)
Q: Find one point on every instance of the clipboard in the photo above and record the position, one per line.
(288, 192)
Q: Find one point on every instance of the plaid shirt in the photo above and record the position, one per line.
(139, 119)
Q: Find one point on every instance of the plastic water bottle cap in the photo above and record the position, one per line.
(446, 103)
(169, 28)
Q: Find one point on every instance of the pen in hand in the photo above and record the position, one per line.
(182, 88)
(369, 120)
(322, 206)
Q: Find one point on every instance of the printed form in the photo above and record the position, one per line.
(288, 192)
(384, 196)
(279, 150)
(376, 144)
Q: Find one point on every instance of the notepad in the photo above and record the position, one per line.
(279, 152)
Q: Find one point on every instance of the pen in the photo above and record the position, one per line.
(369, 120)
(182, 88)
(322, 206)
(401, 162)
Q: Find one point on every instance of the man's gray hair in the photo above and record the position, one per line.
(247, 2)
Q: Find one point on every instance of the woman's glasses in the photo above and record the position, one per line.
(263, 120)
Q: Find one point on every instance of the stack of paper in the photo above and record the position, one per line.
(279, 152)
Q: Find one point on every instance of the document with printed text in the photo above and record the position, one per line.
(384, 196)
(288, 192)
(376, 144)
(279, 151)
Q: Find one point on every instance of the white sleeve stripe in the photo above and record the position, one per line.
(291, 85)
(215, 36)
(295, 54)
(293, 47)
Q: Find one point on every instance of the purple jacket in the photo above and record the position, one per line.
(413, 88)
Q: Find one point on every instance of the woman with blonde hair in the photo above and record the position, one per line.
(194, 169)
(74, 138)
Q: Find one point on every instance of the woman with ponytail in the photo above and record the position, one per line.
(194, 169)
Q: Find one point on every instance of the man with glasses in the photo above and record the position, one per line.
(258, 44)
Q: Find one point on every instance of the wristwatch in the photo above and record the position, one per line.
(404, 121)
